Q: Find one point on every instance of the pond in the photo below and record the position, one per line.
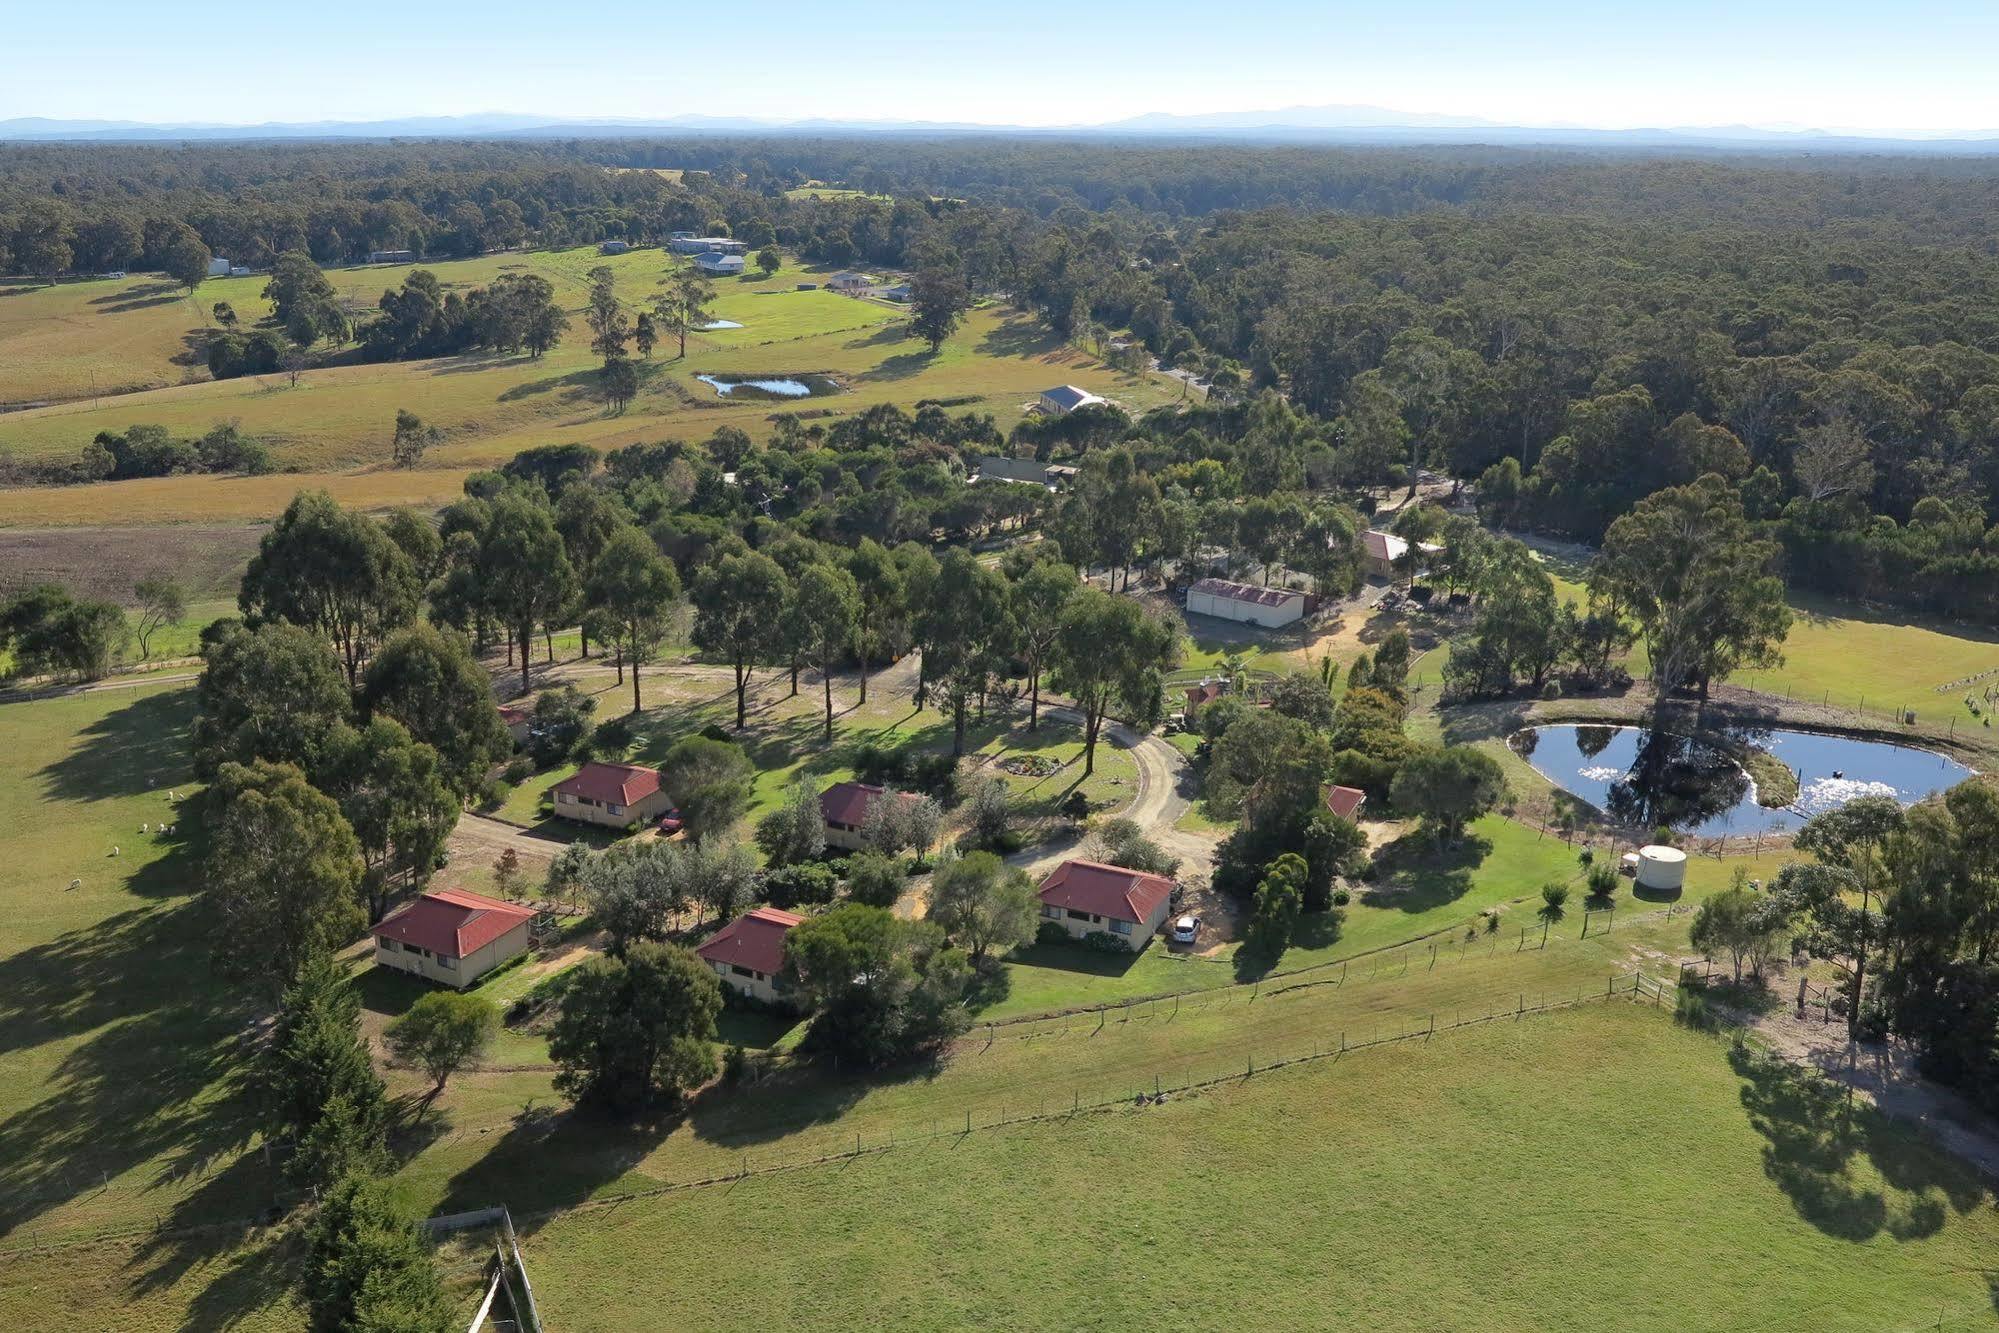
(770, 386)
(1648, 778)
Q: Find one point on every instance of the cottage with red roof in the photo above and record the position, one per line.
(1085, 897)
(1246, 602)
(845, 805)
(451, 936)
(613, 795)
(1345, 801)
(748, 952)
(516, 717)
(1383, 554)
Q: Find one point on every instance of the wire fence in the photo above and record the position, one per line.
(1917, 713)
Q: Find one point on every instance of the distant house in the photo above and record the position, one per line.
(899, 292)
(612, 795)
(392, 256)
(719, 264)
(1245, 602)
(845, 805)
(516, 718)
(849, 282)
(1064, 398)
(218, 267)
(614, 247)
(679, 235)
(1381, 551)
(1085, 897)
(1345, 801)
(239, 270)
(451, 936)
(748, 952)
(702, 245)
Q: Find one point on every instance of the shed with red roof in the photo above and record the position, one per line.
(1087, 897)
(613, 795)
(748, 952)
(452, 936)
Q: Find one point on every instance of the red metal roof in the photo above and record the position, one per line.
(754, 940)
(514, 714)
(452, 922)
(1206, 692)
(848, 802)
(1245, 592)
(1109, 891)
(611, 784)
(1345, 801)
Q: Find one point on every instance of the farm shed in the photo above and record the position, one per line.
(1245, 602)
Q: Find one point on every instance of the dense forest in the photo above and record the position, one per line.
(1574, 330)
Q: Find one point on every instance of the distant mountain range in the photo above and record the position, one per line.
(1302, 124)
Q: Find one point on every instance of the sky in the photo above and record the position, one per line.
(1922, 65)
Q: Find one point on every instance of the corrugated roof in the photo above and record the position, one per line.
(610, 784)
(1069, 396)
(1245, 592)
(1108, 891)
(754, 940)
(452, 922)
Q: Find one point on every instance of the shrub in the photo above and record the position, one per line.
(1601, 881)
(1341, 897)
(807, 882)
(735, 1062)
(1102, 941)
(1551, 690)
(614, 737)
(1051, 932)
(715, 732)
(519, 770)
(992, 812)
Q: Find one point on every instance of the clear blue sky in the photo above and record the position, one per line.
(1912, 64)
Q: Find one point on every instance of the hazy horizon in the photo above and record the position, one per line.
(1921, 69)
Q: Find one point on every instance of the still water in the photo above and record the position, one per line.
(1650, 778)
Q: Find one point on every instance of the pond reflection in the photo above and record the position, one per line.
(1648, 778)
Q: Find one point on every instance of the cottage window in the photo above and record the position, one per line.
(447, 962)
(616, 809)
(742, 971)
(1120, 927)
(1051, 911)
(1075, 915)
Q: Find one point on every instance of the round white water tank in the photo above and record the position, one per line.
(1661, 867)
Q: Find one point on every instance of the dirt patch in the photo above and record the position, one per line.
(104, 562)
(1221, 919)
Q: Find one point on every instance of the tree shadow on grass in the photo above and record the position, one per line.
(1020, 335)
(1815, 1135)
(901, 366)
(139, 748)
(152, 1074)
(1416, 874)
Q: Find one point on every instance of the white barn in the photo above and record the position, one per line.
(1247, 603)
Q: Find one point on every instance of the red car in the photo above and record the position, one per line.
(669, 823)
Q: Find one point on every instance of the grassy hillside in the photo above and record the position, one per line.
(338, 419)
(1595, 1169)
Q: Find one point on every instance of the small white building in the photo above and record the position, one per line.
(613, 247)
(719, 265)
(849, 282)
(1246, 603)
(1066, 398)
(702, 245)
(218, 267)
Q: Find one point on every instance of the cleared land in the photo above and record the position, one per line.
(337, 420)
(1594, 1169)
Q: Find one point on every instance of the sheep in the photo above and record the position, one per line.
(148, 828)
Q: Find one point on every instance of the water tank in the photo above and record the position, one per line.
(1661, 868)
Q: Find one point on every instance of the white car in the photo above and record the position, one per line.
(1185, 929)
